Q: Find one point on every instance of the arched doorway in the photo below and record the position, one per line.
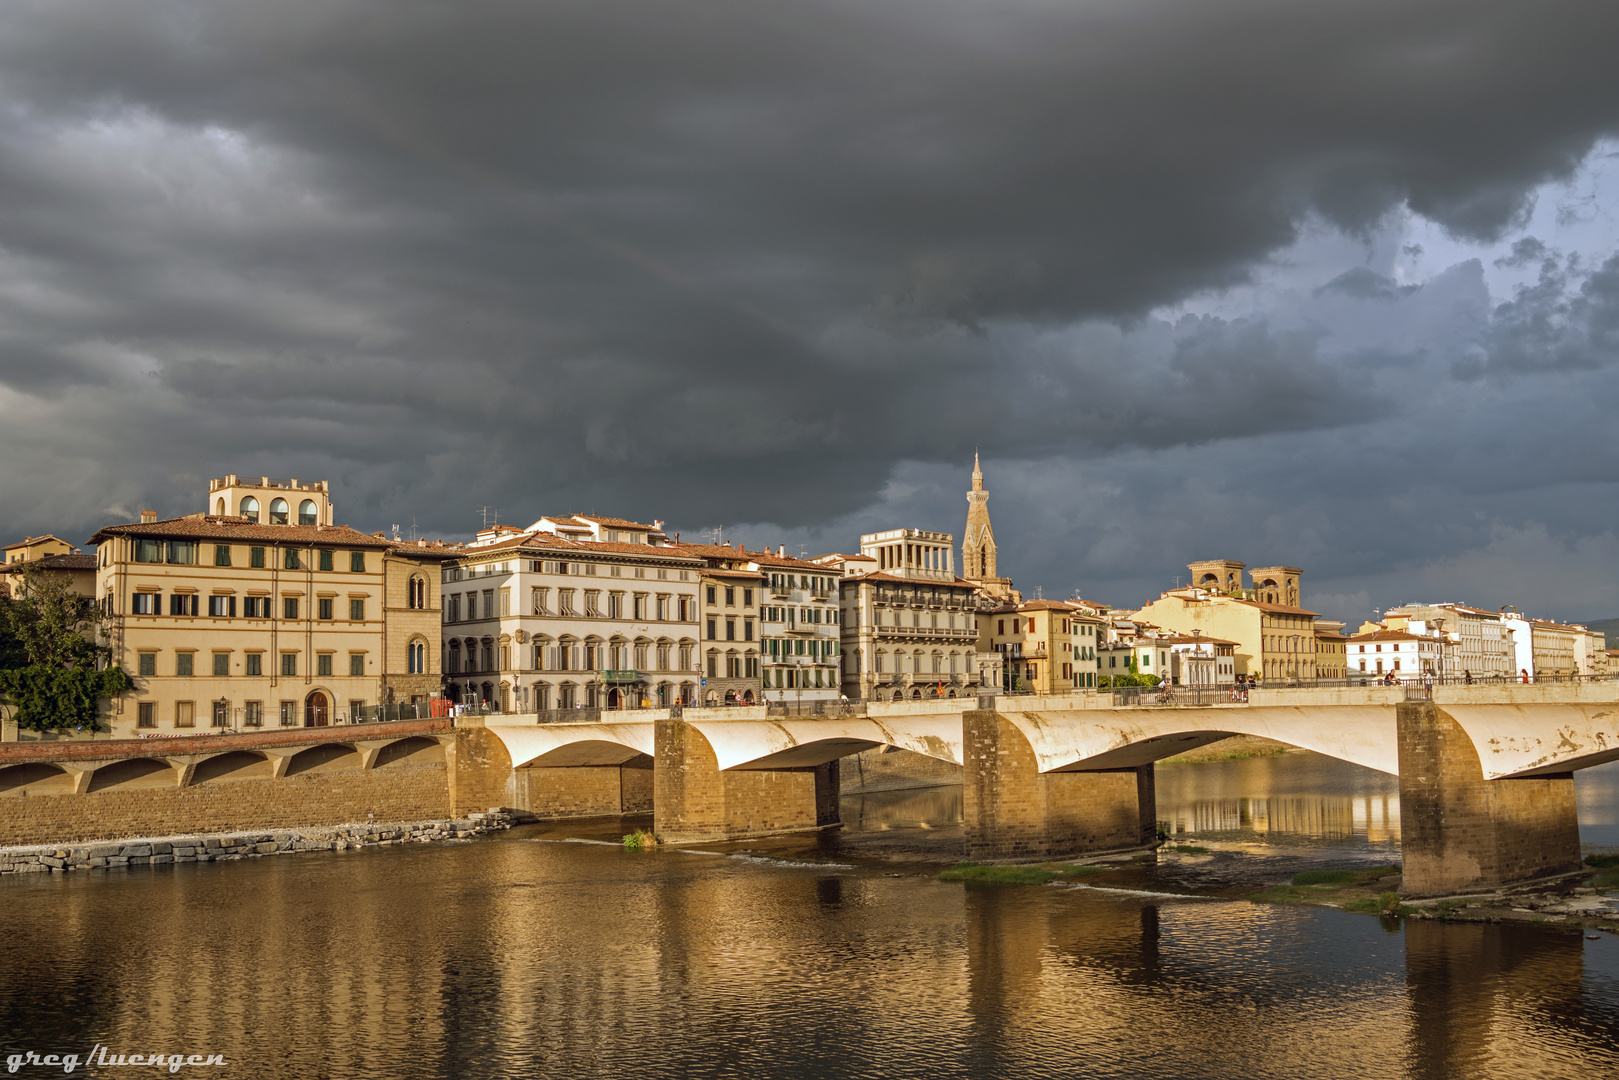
(615, 700)
(317, 710)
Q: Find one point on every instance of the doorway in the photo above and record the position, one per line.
(317, 711)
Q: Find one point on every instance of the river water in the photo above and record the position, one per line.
(539, 953)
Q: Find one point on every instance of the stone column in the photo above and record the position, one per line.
(688, 795)
(480, 771)
(693, 800)
(1013, 811)
(1460, 832)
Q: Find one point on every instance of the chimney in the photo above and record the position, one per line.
(148, 516)
(781, 552)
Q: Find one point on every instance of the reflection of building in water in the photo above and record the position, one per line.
(1376, 817)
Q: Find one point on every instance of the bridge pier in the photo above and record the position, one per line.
(694, 800)
(1460, 832)
(1014, 811)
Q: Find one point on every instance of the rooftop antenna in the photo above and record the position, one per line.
(1177, 581)
(491, 515)
(803, 551)
(413, 530)
(717, 535)
(1039, 592)
(396, 534)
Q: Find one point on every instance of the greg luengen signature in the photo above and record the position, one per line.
(103, 1056)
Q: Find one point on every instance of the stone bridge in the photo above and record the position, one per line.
(1485, 773)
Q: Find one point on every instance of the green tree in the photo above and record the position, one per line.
(52, 662)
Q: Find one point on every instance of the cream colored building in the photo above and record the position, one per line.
(1405, 655)
(731, 596)
(803, 653)
(225, 621)
(577, 611)
(51, 553)
(1478, 642)
(1044, 646)
(908, 629)
(1275, 640)
(1556, 648)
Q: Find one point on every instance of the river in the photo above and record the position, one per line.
(533, 954)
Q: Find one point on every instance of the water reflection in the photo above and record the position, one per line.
(512, 957)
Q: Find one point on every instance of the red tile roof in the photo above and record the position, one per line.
(241, 530)
(53, 562)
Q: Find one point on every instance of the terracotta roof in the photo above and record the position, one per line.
(1388, 635)
(53, 562)
(1188, 639)
(750, 575)
(241, 530)
(883, 575)
(549, 544)
(433, 549)
(1331, 635)
(613, 522)
(25, 541)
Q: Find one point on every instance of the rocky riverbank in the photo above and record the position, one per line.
(230, 847)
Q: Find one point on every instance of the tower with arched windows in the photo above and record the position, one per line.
(978, 543)
(267, 501)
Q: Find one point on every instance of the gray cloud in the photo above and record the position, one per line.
(718, 262)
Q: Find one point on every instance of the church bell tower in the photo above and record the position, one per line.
(978, 545)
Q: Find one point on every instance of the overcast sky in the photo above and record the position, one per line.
(1330, 284)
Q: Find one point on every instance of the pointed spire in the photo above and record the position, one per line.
(978, 474)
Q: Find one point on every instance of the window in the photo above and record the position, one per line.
(564, 601)
(323, 663)
(505, 601)
(416, 595)
(713, 667)
(712, 631)
(357, 610)
(253, 713)
(357, 566)
(278, 512)
(143, 603)
(663, 608)
(221, 554)
(250, 508)
(289, 663)
(357, 662)
(221, 665)
(147, 664)
(593, 603)
(638, 606)
(222, 714)
(183, 663)
(182, 553)
(185, 714)
(256, 607)
(323, 608)
(289, 607)
(146, 714)
(149, 551)
(254, 664)
(454, 612)
(306, 516)
(255, 558)
(289, 713)
(711, 594)
(747, 629)
(730, 596)
(325, 560)
(222, 607)
(289, 560)
(488, 603)
(416, 658)
(183, 604)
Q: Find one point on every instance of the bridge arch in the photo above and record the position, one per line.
(235, 765)
(325, 758)
(132, 774)
(416, 750)
(35, 778)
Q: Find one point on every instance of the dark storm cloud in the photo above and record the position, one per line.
(683, 258)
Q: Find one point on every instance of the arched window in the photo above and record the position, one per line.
(306, 512)
(278, 512)
(455, 657)
(219, 507)
(250, 508)
(417, 593)
(416, 657)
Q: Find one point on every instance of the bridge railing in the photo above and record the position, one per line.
(815, 708)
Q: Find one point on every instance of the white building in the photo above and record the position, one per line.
(1398, 652)
(909, 628)
(573, 612)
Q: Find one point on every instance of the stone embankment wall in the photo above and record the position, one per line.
(894, 769)
(232, 846)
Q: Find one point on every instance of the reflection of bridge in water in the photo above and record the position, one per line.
(1485, 773)
(1323, 817)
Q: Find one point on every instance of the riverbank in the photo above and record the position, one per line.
(234, 846)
